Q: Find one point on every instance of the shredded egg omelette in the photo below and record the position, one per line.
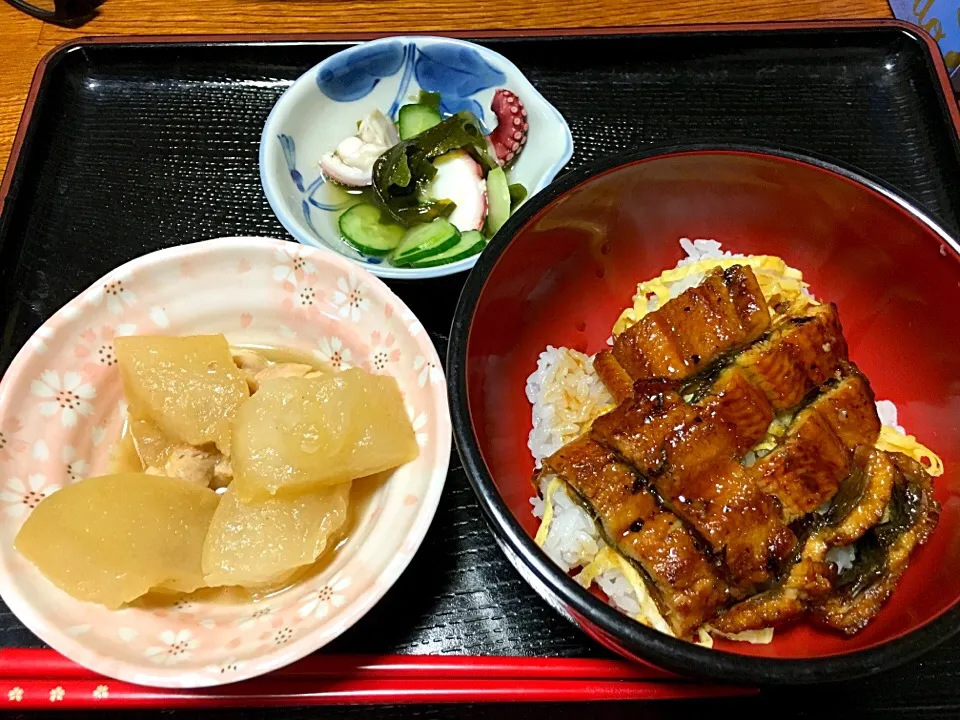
(779, 282)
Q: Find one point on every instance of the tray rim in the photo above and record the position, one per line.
(16, 166)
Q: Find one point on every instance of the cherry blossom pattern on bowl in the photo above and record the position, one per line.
(61, 409)
(324, 105)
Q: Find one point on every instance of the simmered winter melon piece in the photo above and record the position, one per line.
(112, 538)
(285, 434)
(299, 433)
(189, 387)
(262, 543)
(153, 446)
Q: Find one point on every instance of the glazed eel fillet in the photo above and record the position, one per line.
(689, 453)
(699, 382)
(806, 469)
(618, 472)
(725, 312)
(884, 509)
(685, 584)
(884, 552)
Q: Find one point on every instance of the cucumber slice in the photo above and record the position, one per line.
(414, 119)
(422, 241)
(518, 193)
(498, 200)
(471, 243)
(363, 227)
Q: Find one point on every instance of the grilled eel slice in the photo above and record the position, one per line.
(795, 358)
(775, 375)
(688, 455)
(806, 469)
(725, 312)
(886, 509)
(859, 505)
(687, 587)
(884, 552)
(806, 352)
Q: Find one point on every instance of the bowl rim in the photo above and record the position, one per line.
(382, 270)
(647, 643)
(22, 608)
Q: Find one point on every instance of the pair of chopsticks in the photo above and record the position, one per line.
(31, 679)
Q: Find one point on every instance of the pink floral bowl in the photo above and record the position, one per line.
(60, 411)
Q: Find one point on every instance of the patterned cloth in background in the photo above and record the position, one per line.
(941, 19)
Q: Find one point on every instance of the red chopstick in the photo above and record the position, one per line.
(42, 663)
(31, 679)
(110, 694)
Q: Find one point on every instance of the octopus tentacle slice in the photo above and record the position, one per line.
(510, 135)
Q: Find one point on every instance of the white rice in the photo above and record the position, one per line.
(573, 539)
(698, 250)
(842, 557)
(619, 591)
(566, 396)
(888, 415)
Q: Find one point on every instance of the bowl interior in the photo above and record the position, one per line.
(324, 105)
(570, 269)
(60, 413)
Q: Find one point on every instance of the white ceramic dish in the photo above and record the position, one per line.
(60, 412)
(324, 105)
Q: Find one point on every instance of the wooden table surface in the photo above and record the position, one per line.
(24, 40)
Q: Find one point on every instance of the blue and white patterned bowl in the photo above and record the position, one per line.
(324, 105)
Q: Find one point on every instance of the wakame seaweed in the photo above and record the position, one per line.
(402, 171)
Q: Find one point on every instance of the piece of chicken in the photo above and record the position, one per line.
(189, 463)
(250, 363)
(280, 370)
(222, 473)
(256, 369)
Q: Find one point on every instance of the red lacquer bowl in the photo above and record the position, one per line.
(568, 262)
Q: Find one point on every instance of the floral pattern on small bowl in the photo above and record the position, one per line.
(323, 106)
(61, 407)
